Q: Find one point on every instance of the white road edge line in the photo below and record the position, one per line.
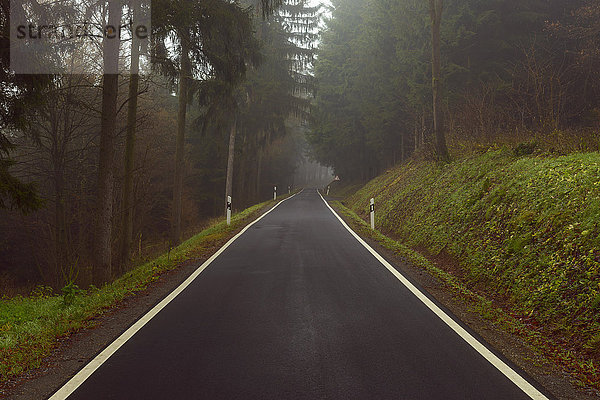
(68, 388)
(507, 371)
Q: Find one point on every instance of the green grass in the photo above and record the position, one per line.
(30, 326)
(524, 230)
(342, 190)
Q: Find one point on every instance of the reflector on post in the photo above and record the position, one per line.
(372, 212)
(228, 210)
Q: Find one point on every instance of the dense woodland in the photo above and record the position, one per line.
(98, 171)
(512, 71)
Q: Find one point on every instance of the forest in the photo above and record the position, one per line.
(100, 170)
(511, 72)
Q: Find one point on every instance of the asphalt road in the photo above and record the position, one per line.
(296, 308)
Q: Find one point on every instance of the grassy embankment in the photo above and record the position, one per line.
(29, 326)
(519, 235)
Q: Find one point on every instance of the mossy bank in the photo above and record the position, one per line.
(522, 230)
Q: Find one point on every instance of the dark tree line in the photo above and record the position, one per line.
(509, 71)
(99, 171)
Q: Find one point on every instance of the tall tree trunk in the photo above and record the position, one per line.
(402, 154)
(103, 231)
(423, 128)
(127, 221)
(230, 159)
(58, 163)
(240, 179)
(184, 75)
(416, 134)
(436, 8)
(258, 173)
(59, 222)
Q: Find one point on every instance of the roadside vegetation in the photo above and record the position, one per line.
(31, 325)
(516, 229)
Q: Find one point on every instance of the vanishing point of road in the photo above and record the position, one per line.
(297, 308)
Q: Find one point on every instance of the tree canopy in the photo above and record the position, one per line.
(506, 65)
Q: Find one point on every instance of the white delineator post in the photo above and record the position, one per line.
(327, 190)
(289, 189)
(372, 209)
(274, 192)
(228, 210)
